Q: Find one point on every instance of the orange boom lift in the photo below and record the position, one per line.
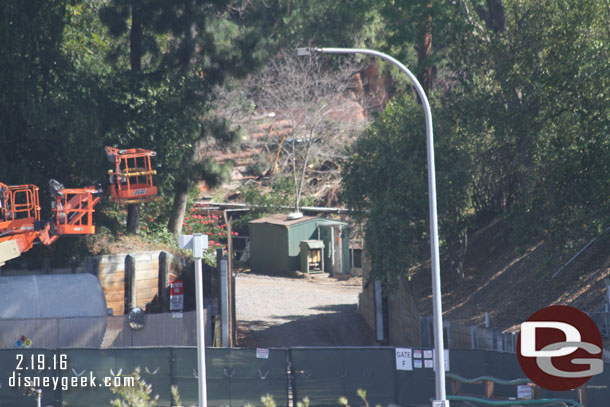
(20, 224)
(131, 182)
(131, 179)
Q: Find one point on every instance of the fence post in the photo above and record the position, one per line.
(130, 283)
(164, 259)
(224, 302)
(230, 280)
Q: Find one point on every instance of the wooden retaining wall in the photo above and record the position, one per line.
(137, 280)
(406, 327)
(144, 285)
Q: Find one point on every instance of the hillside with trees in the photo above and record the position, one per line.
(519, 89)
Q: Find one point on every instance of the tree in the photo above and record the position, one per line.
(314, 104)
(524, 114)
(185, 48)
(385, 182)
(48, 122)
(418, 33)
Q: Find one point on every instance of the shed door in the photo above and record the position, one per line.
(333, 253)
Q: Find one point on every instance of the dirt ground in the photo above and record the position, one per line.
(282, 312)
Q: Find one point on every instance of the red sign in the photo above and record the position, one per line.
(176, 295)
(176, 288)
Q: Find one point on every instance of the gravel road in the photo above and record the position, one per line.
(281, 312)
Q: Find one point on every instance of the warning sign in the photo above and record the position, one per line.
(524, 392)
(262, 353)
(176, 295)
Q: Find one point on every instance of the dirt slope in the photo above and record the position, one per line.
(510, 284)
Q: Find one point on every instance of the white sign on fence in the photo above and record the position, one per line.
(404, 359)
(262, 353)
(524, 392)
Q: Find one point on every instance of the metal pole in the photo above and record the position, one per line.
(224, 303)
(197, 242)
(439, 360)
(203, 397)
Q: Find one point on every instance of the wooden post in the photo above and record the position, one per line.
(489, 389)
(164, 271)
(130, 283)
(456, 387)
(582, 394)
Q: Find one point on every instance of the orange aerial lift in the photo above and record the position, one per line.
(131, 179)
(131, 182)
(20, 224)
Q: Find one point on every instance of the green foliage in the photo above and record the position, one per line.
(385, 180)
(176, 399)
(537, 98)
(213, 226)
(153, 220)
(327, 23)
(47, 115)
(139, 395)
(274, 198)
(265, 202)
(521, 119)
(304, 402)
(267, 401)
(343, 401)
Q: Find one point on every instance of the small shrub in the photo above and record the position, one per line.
(176, 399)
(138, 395)
(362, 394)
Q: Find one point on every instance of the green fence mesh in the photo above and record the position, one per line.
(236, 377)
(324, 375)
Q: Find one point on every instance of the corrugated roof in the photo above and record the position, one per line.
(330, 222)
(282, 219)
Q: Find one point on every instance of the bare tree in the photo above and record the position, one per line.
(314, 106)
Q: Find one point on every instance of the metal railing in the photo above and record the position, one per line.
(602, 320)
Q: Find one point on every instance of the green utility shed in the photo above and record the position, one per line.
(275, 243)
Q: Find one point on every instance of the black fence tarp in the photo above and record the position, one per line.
(236, 377)
(324, 375)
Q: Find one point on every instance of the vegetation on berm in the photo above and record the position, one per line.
(521, 118)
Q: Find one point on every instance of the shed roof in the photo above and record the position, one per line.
(282, 219)
(330, 222)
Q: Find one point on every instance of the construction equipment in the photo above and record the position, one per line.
(20, 223)
(131, 182)
(131, 179)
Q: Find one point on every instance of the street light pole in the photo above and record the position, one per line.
(439, 360)
(198, 243)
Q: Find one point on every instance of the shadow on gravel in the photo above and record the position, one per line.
(342, 327)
